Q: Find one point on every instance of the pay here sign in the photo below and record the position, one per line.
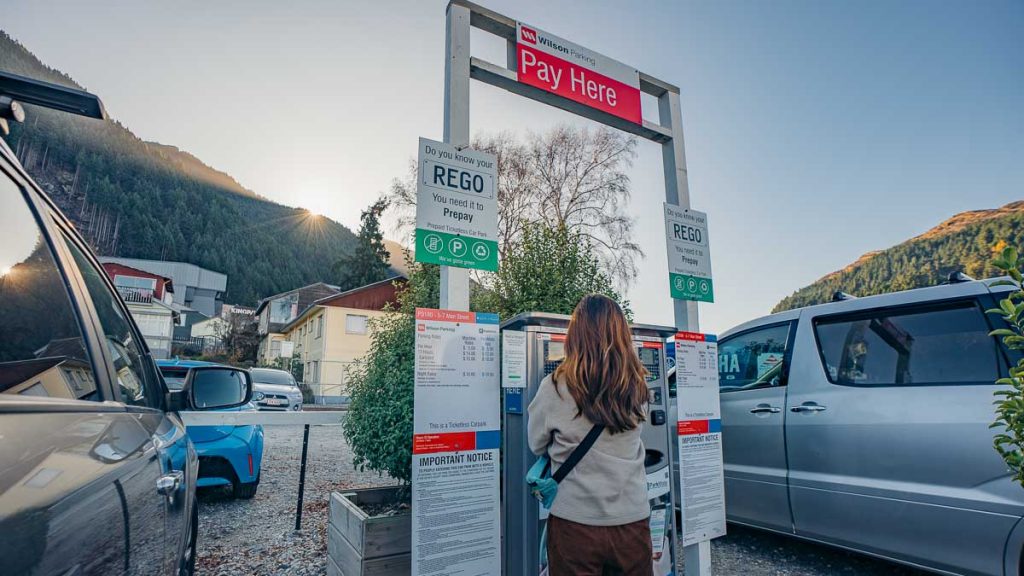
(561, 67)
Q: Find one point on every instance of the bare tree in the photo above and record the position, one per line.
(579, 182)
(569, 177)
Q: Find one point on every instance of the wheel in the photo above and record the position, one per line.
(245, 490)
(187, 566)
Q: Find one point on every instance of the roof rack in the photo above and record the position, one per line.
(957, 277)
(839, 296)
(16, 90)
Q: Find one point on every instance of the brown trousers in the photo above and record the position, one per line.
(581, 550)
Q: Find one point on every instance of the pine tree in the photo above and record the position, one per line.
(368, 263)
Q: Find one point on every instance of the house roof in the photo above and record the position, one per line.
(308, 288)
(184, 273)
(168, 283)
(339, 299)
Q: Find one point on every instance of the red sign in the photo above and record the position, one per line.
(447, 442)
(558, 66)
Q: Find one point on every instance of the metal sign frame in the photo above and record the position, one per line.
(461, 66)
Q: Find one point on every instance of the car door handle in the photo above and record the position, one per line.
(808, 407)
(168, 484)
(765, 409)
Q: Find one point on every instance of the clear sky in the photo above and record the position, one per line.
(815, 131)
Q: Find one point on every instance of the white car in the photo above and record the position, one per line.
(275, 390)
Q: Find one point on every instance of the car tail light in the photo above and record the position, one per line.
(250, 464)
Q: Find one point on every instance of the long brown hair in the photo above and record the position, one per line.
(601, 369)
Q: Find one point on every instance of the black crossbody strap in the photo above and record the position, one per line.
(578, 453)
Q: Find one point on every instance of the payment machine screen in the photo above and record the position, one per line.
(649, 357)
(554, 353)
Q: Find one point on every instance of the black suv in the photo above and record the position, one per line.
(97, 475)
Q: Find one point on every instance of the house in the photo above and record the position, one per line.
(199, 293)
(275, 312)
(333, 333)
(208, 333)
(150, 300)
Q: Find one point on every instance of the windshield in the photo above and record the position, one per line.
(279, 377)
(174, 377)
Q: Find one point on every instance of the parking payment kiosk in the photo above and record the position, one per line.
(539, 340)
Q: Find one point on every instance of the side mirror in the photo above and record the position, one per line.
(217, 387)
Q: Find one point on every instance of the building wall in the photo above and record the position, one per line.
(263, 355)
(212, 328)
(326, 355)
(157, 326)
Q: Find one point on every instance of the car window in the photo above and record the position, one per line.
(272, 377)
(937, 345)
(42, 352)
(134, 383)
(752, 359)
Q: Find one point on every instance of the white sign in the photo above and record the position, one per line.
(699, 432)
(689, 254)
(456, 207)
(513, 359)
(456, 438)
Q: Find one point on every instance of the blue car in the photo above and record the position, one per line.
(228, 455)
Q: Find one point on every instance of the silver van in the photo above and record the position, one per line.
(864, 423)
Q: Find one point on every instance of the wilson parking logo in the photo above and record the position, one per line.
(528, 35)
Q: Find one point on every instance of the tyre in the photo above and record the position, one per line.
(245, 490)
(187, 566)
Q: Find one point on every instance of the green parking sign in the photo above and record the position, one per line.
(453, 250)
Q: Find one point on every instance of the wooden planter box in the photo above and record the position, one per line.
(361, 545)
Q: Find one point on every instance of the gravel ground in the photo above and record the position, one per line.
(257, 537)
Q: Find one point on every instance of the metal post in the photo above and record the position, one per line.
(302, 478)
(696, 557)
(455, 281)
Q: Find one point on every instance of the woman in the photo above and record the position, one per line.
(599, 520)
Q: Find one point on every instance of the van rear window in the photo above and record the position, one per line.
(943, 344)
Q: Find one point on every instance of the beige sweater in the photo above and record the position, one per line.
(609, 485)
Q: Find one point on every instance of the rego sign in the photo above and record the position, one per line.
(456, 207)
(689, 254)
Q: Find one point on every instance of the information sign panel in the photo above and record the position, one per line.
(699, 433)
(456, 207)
(689, 254)
(456, 437)
(513, 359)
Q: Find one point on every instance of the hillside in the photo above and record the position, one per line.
(142, 199)
(962, 243)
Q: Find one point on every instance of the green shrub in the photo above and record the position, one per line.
(379, 422)
(1010, 402)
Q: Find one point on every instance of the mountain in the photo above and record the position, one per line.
(963, 243)
(140, 199)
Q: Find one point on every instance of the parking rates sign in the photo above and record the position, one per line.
(689, 254)
(456, 207)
